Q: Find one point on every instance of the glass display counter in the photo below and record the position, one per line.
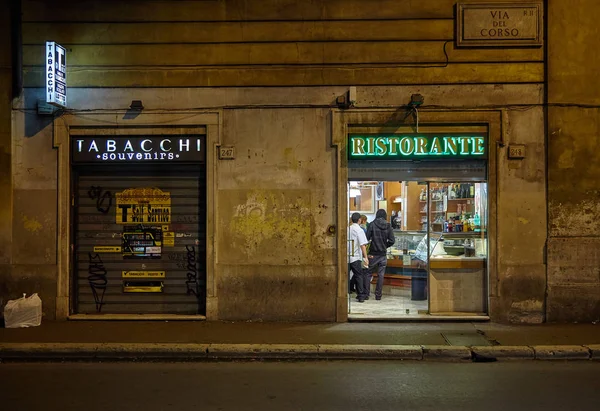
(457, 273)
(453, 262)
(441, 245)
(404, 269)
(406, 243)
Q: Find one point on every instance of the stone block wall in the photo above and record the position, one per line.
(573, 285)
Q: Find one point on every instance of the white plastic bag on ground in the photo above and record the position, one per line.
(24, 312)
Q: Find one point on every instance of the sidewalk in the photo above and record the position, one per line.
(172, 340)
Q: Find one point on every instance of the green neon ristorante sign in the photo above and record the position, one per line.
(417, 146)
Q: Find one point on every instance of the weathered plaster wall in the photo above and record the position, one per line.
(237, 43)
(573, 161)
(519, 294)
(34, 212)
(275, 201)
(27, 193)
(279, 191)
(6, 285)
(274, 260)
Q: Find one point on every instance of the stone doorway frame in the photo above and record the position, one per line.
(342, 119)
(113, 123)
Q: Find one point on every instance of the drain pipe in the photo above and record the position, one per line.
(16, 47)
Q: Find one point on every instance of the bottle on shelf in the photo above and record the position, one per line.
(448, 226)
(458, 227)
(451, 192)
(477, 222)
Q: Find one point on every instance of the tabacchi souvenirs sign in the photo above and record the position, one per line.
(416, 147)
(137, 149)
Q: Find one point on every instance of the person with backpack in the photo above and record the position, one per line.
(381, 236)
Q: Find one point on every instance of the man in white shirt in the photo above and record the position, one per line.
(357, 256)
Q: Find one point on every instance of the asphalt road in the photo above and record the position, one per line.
(314, 386)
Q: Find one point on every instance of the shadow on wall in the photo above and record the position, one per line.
(131, 114)
(34, 122)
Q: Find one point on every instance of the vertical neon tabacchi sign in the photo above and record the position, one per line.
(55, 58)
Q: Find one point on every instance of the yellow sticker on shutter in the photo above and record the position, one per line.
(143, 274)
(107, 249)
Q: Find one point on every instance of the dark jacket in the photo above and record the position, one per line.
(381, 235)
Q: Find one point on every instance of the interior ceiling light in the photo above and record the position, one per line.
(354, 192)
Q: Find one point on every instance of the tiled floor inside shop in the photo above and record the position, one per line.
(390, 306)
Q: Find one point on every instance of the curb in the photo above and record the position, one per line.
(261, 351)
(370, 352)
(503, 353)
(595, 351)
(446, 353)
(204, 352)
(562, 352)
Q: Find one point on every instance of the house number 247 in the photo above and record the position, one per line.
(226, 153)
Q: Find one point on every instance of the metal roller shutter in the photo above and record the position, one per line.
(139, 242)
(465, 170)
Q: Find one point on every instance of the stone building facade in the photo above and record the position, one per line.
(271, 79)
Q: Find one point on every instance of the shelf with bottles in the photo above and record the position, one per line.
(423, 195)
(463, 223)
(460, 191)
(452, 191)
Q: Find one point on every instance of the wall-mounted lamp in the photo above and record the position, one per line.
(342, 101)
(136, 105)
(416, 100)
(348, 99)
